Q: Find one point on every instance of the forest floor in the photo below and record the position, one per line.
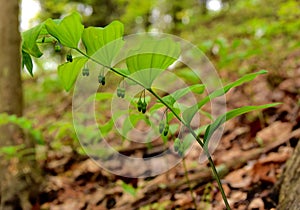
(251, 157)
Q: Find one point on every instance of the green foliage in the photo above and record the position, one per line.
(144, 64)
(27, 61)
(20, 151)
(29, 46)
(68, 31)
(229, 115)
(129, 189)
(69, 71)
(29, 38)
(94, 38)
(9, 152)
(25, 124)
(190, 112)
(175, 96)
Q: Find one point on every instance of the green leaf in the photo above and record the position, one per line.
(229, 115)
(103, 44)
(186, 144)
(103, 96)
(11, 150)
(151, 58)
(173, 97)
(69, 71)
(190, 112)
(129, 189)
(123, 71)
(146, 77)
(23, 123)
(68, 31)
(131, 121)
(27, 61)
(106, 128)
(155, 107)
(225, 89)
(29, 38)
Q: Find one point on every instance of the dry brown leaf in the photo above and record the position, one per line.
(291, 85)
(239, 178)
(264, 172)
(236, 196)
(182, 199)
(257, 203)
(275, 131)
(275, 157)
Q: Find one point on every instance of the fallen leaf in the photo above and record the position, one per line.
(256, 203)
(275, 131)
(239, 178)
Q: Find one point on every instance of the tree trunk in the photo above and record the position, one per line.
(289, 197)
(10, 96)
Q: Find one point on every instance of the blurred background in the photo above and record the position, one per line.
(236, 35)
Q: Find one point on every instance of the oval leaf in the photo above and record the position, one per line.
(27, 61)
(69, 71)
(68, 31)
(151, 58)
(29, 38)
(104, 43)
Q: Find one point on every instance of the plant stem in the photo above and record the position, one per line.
(217, 178)
(197, 138)
(189, 183)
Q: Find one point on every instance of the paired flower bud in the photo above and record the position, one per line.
(57, 48)
(120, 92)
(179, 147)
(101, 79)
(69, 57)
(142, 105)
(85, 71)
(164, 126)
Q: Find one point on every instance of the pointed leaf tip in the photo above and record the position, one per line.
(263, 71)
(29, 39)
(103, 44)
(68, 31)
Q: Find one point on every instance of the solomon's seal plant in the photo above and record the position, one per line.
(144, 63)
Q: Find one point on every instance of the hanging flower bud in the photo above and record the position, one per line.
(85, 71)
(57, 48)
(69, 57)
(120, 92)
(123, 93)
(177, 144)
(166, 130)
(161, 126)
(139, 105)
(101, 79)
(144, 107)
(181, 150)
